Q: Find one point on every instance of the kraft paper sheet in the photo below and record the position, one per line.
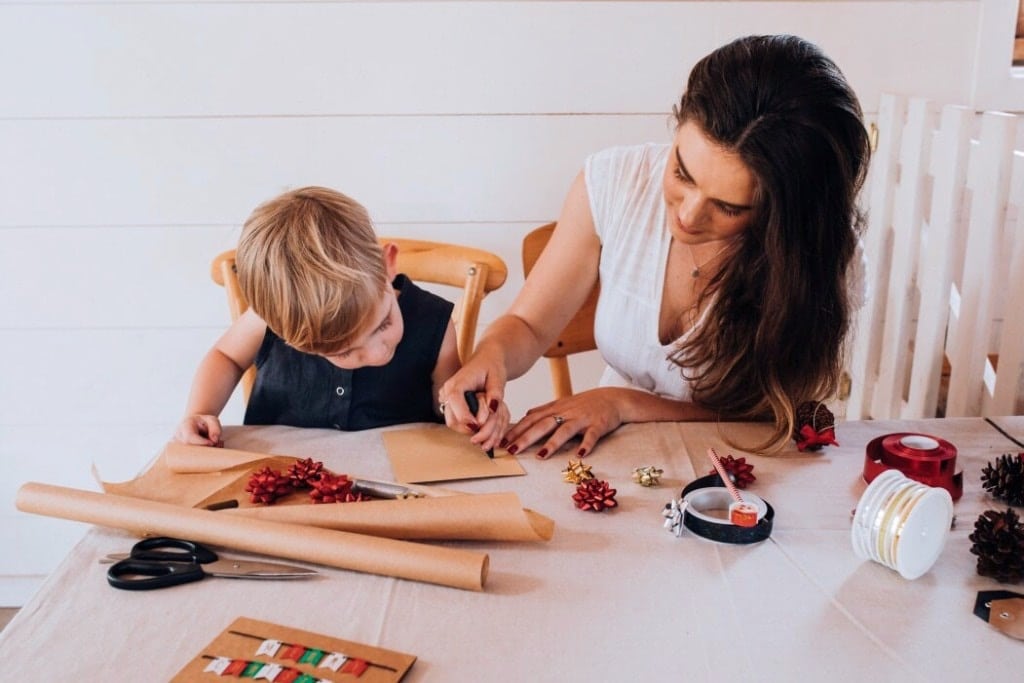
(436, 453)
(183, 458)
(192, 487)
(453, 567)
(197, 476)
(185, 475)
(388, 665)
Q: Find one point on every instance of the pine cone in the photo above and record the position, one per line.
(333, 488)
(1004, 478)
(266, 486)
(594, 495)
(741, 473)
(999, 544)
(814, 426)
(303, 473)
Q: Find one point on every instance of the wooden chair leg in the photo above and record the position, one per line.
(561, 382)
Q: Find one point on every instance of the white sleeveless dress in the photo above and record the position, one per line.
(624, 187)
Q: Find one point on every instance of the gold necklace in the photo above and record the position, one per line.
(695, 273)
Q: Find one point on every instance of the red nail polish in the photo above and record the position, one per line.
(542, 453)
(502, 443)
(474, 426)
(581, 452)
(493, 405)
(512, 449)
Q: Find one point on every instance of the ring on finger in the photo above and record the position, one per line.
(440, 406)
(558, 420)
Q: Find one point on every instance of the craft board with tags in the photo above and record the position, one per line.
(248, 647)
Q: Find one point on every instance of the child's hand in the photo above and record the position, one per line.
(199, 430)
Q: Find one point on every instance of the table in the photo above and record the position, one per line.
(612, 596)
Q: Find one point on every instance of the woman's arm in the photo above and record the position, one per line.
(217, 377)
(557, 286)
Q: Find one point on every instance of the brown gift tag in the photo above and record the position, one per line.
(1008, 616)
(436, 453)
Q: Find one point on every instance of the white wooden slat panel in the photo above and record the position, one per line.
(1006, 398)
(935, 273)
(215, 58)
(112, 277)
(103, 377)
(130, 277)
(900, 306)
(214, 171)
(880, 190)
(988, 178)
(117, 455)
(914, 48)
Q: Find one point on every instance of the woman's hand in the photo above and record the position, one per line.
(590, 414)
(486, 378)
(199, 430)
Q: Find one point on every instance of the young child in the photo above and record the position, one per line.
(340, 339)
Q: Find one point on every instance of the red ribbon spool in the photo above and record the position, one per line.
(926, 459)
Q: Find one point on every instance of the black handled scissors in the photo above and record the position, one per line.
(162, 562)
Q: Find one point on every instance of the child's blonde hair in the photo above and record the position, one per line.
(311, 266)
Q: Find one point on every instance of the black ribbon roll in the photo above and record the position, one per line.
(725, 531)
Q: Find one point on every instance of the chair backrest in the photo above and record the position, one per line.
(475, 271)
(578, 334)
(941, 333)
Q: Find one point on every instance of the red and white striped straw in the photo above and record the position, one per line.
(733, 491)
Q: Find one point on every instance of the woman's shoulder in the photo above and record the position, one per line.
(623, 183)
(628, 158)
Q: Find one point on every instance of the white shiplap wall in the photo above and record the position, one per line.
(135, 137)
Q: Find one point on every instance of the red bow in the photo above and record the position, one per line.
(814, 440)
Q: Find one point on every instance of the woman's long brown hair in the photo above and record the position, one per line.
(775, 334)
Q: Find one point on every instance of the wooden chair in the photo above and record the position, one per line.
(475, 271)
(578, 334)
(945, 248)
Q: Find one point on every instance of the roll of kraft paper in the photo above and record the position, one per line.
(444, 566)
(475, 517)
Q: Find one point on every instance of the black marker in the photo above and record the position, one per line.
(474, 406)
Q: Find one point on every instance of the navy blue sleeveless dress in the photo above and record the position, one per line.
(304, 390)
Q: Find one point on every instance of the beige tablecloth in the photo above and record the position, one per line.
(612, 597)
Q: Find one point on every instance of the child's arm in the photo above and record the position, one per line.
(217, 377)
(448, 362)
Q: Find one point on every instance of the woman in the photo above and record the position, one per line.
(724, 258)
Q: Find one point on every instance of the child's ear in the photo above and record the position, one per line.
(390, 250)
